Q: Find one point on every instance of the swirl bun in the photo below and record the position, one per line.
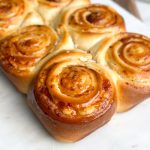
(22, 51)
(16, 13)
(72, 96)
(92, 23)
(127, 56)
(50, 9)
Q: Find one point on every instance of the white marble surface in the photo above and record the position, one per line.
(20, 130)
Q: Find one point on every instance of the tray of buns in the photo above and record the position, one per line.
(74, 74)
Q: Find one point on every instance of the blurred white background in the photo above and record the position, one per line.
(144, 9)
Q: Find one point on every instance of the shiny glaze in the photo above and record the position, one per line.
(55, 3)
(130, 57)
(97, 19)
(70, 91)
(11, 11)
(21, 51)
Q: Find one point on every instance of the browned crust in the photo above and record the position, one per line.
(69, 132)
(48, 106)
(130, 95)
(22, 78)
(93, 20)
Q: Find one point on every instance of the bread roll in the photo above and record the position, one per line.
(91, 23)
(127, 57)
(15, 14)
(50, 9)
(23, 52)
(72, 96)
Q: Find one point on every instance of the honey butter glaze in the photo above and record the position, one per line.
(70, 90)
(92, 23)
(130, 56)
(96, 18)
(127, 57)
(57, 3)
(16, 14)
(10, 11)
(21, 51)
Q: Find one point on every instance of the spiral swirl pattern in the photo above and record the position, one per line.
(21, 51)
(71, 90)
(97, 19)
(130, 57)
(10, 12)
(55, 3)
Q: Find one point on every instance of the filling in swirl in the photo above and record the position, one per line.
(95, 16)
(131, 57)
(72, 92)
(10, 10)
(23, 49)
(57, 2)
(77, 81)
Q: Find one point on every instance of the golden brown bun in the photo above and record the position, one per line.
(72, 96)
(127, 57)
(91, 23)
(15, 14)
(24, 52)
(50, 9)
(21, 52)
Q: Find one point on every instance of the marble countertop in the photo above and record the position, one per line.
(20, 129)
